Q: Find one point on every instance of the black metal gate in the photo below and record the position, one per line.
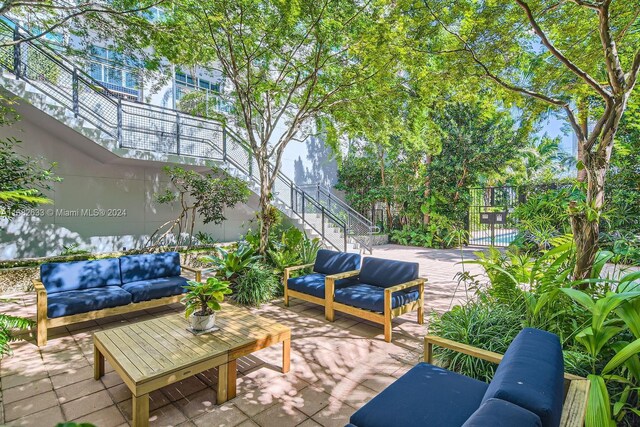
(489, 213)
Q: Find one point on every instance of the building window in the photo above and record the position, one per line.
(113, 70)
(153, 14)
(185, 83)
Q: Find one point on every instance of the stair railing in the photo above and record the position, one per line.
(150, 128)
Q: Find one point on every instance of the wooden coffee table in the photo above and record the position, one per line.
(154, 353)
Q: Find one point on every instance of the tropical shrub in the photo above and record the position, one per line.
(230, 264)
(205, 298)
(439, 233)
(9, 323)
(256, 285)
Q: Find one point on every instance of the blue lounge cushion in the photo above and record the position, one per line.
(531, 375)
(66, 303)
(150, 266)
(370, 297)
(333, 262)
(386, 273)
(313, 284)
(500, 413)
(79, 275)
(425, 396)
(145, 290)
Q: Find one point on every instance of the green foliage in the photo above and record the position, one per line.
(287, 246)
(256, 285)
(479, 324)
(205, 298)
(7, 324)
(212, 192)
(22, 180)
(205, 238)
(73, 249)
(441, 232)
(230, 264)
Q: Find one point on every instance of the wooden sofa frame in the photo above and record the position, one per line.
(330, 306)
(576, 388)
(43, 323)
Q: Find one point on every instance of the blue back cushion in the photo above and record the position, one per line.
(148, 267)
(386, 273)
(72, 276)
(500, 413)
(531, 375)
(332, 262)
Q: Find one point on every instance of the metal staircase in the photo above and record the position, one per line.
(59, 88)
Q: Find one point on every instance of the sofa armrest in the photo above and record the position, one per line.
(430, 340)
(344, 275)
(330, 282)
(297, 267)
(407, 285)
(489, 356)
(196, 271)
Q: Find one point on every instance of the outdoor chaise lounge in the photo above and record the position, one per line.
(529, 389)
(328, 267)
(385, 289)
(71, 292)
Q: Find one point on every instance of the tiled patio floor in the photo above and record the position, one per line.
(335, 368)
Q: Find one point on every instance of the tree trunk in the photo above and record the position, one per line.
(265, 213)
(585, 222)
(426, 216)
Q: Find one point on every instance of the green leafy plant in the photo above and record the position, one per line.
(256, 285)
(73, 249)
(205, 298)
(230, 264)
(611, 314)
(205, 238)
(9, 323)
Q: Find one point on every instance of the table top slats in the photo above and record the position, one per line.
(152, 348)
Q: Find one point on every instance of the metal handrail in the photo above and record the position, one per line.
(173, 129)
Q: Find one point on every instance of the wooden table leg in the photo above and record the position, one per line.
(232, 378)
(223, 383)
(98, 363)
(140, 410)
(286, 355)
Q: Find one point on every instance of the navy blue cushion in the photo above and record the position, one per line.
(531, 375)
(500, 413)
(146, 290)
(152, 266)
(81, 301)
(332, 262)
(369, 297)
(313, 284)
(386, 272)
(69, 276)
(425, 396)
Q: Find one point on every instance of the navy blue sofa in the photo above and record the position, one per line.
(70, 292)
(385, 289)
(528, 390)
(330, 266)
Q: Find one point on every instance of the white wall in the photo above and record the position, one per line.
(91, 182)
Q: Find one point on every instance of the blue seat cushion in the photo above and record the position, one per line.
(369, 297)
(500, 413)
(145, 290)
(70, 276)
(313, 284)
(66, 303)
(151, 266)
(425, 396)
(386, 272)
(333, 262)
(531, 375)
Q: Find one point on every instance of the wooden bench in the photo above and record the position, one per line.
(43, 322)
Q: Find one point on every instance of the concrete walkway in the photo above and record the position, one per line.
(336, 367)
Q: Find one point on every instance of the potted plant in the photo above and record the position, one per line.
(202, 300)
